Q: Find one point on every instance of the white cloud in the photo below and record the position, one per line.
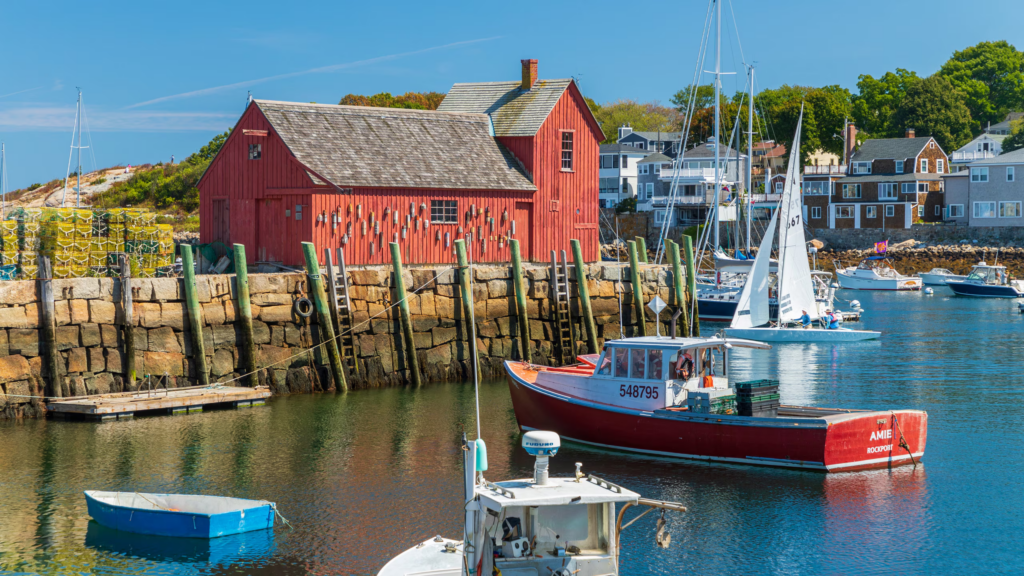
(62, 118)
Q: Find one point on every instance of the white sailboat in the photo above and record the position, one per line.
(796, 292)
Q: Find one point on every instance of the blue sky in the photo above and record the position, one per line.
(163, 78)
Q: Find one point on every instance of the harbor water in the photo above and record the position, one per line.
(364, 476)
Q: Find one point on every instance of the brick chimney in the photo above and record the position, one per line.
(851, 141)
(529, 73)
(910, 132)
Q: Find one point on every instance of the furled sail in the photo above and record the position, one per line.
(752, 309)
(796, 291)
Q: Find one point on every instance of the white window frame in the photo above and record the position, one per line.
(899, 166)
(924, 164)
(959, 211)
(862, 167)
(887, 191)
(991, 214)
(444, 211)
(1011, 174)
(890, 210)
(920, 210)
(871, 212)
(657, 168)
(908, 188)
(841, 209)
(922, 187)
(846, 191)
(779, 187)
(1014, 204)
(979, 174)
(816, 212)
(940, 165)
(938, 210)
(650, 190)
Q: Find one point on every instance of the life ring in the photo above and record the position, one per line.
(303, 307)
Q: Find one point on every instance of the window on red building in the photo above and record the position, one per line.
(567, 151)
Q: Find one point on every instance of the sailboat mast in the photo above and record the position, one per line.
(78, 202)
(718, 75)
(3, 181)
(750, 154)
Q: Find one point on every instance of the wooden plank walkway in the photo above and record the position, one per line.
(174, 401)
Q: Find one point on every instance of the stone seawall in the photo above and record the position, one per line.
(90, 330)
(865, 238)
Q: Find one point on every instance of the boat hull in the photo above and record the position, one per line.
(802, 335)
(426, 559)
(724, 310)
(930, 279)
(849, 441)
(179, 524)
(983, 290)
(851, 282)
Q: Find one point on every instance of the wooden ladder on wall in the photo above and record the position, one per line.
(560, 308)
(341, 310)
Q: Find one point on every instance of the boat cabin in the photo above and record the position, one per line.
(564, 526)
(983, 273)
(649, 372)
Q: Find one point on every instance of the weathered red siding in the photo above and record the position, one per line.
(566, 206)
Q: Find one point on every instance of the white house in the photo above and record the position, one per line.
(983, 147)
(618, 172)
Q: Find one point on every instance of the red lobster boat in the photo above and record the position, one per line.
(633, 397)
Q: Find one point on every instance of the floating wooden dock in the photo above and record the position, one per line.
(172, 401)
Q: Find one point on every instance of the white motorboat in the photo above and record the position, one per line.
(796, 289)
(540, 526)
(875, 273)
(938, 277)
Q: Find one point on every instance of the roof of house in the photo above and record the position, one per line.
(705, 151)
(514, 111)
(665, 136)
(1005, 124)
(959, 174)
(912, 177)
(889, 149)
(656, 157)
(1014, 157)
(622, 149)
(392, 147)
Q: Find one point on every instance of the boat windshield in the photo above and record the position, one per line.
(988, 275)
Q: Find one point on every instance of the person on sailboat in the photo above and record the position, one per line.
(832, 322)
(805, 319)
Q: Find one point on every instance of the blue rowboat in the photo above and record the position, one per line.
(179, 515)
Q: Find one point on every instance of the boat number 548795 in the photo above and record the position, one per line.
(638, 391)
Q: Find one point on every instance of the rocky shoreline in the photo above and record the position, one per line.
(911, 257)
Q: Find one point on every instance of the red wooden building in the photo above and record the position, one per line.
(498, 160)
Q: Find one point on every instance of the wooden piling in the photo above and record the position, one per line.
(681, 301)
(51, 356)
(638, 291)
(406, 320)
(316, 289)
(691, 284)
(584, 292)
(195, 315)
(466, 289)
(520, 292)
(247, 347)
(641, 244)
(127, 328)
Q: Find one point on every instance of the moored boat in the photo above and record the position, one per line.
(875, 273)
(179, 515)
(938, 277)
(638, 397)
(986, 281)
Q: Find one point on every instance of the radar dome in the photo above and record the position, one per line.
(540, 443)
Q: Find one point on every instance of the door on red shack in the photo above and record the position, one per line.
(523, 229)
(298, 228)
(270, 230)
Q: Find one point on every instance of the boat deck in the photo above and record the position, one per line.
(167, 401)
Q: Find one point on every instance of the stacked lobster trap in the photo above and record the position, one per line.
(84, 243)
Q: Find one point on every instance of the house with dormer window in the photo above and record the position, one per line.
(889, 183)
(666, 143)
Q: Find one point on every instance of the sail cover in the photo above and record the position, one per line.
(796, 292)
(752, 309)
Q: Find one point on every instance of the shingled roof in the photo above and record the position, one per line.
(514, 111)
(391, 147)
(889, 149)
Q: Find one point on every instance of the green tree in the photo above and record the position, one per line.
(781, 107)
(626, 206)
(832, 107)
(641, 116)
(1016, 138)
(991, 76)
(933, 107)
(206, 153)
(410, 100)
(878, 100)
